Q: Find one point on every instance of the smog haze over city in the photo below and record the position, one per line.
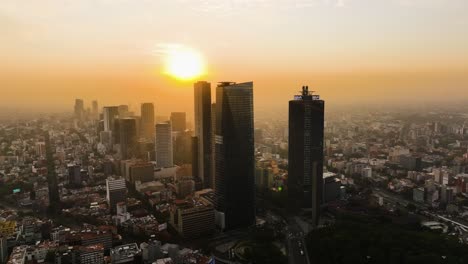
(233, 131)
(353, 51)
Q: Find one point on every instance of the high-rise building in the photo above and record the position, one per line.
(79, 109)
(193, 218)
(129, 253)
(92, 254)
(306, 128)
(116, 192)
(110, 114)
(182, 145)
(235, 162)
(163, 146)
(203, 132)
(147, 121)
(128, 137)
(95, 109)
(178, 121)
(123, 111)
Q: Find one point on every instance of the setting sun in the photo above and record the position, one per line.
(184, 63)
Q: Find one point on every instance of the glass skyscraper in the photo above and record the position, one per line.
(203, 133)
(234, 154)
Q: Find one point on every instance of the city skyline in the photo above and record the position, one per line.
(233, 131)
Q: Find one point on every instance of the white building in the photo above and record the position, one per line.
(116, 192)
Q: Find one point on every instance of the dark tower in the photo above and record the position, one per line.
(128, 137)
(234, 139)
(203, 132)
(305, 177)
(147, 121)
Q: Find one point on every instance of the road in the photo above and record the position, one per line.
(297, 250)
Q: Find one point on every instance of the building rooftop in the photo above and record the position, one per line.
(125, 251)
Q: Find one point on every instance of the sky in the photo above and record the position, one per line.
(349, 51)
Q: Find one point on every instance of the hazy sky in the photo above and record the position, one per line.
(52, 51)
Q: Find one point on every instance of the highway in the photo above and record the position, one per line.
(297, 250)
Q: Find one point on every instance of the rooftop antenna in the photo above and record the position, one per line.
(305, 91)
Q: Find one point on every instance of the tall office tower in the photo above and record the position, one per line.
(163, 146)
(182, 145)
(147, 121)
(203, 132)
(128, 137)
(79, 109)
(116, 192)
(235, 162)
(123, 111)
(178, 121)
(110, 114)
(95, 109)
(54, 196)
(305, 177)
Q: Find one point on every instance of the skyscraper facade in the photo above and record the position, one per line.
(178, 121)
(234, 139)
(116, 192)
(203, 132)
(110, 114)
(123, 111)
(128, 137)
(163, 146)
(79, 109)
(147, 121)
(95, 109)
(305, 177)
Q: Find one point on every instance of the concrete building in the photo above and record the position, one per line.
(129, 253)
(193, 218)
(147, 121)
(110, 113)
(163, 146)
(178, 121)
(116, 192)
(18, 255)
(128, 138)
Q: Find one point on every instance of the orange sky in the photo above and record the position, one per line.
(357, 51)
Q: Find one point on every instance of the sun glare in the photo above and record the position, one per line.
(184, 63)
